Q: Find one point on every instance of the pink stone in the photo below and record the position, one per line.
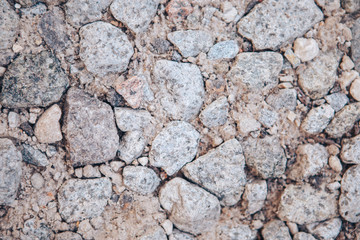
(132, 91)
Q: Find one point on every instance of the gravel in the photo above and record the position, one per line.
(130, 120)
(317, 119)
(216, 113)
(329, 229)
(355, 49)
(34, 156)
(303, 236)
(284, 98)
(337, 100)
(131, 146)
(142, 180)
(350, 150)
(274, 230)
(47, 128)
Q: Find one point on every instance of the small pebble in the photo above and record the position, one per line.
(116, 165)
(335, 164)
(347, 63)
(306, 49)
(143, 160)
(13, 120)
(333, 186)
(78, 172)
(333, 150)
(2, 71)
(91, 172)
(167, 226)
(355, 89)
(37, 180)
(292, 227)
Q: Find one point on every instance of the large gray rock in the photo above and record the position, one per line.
(355, 44)
(174, 146)
(82, 199)
(303, 204)
(136, 15)
(140, 179)
(131, 146)
(265, 156)
(284, 98)
(350, 150)
(256, 71)
(128, 119)
(275, 230)
(181, 88)
(317, 119)
(190, 208)
(223, 50)
(10, 171)
(269, 24)
(216, 113)
(33, 81)
(221, 171)
(89, 129)
(104, 48)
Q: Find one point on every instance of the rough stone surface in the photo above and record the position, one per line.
(306, 49)
(355, 89)
(156, 233)
(34, 156)
(68, 236)
(10, 171)
(265, 156)
(350, 195)
(132, 90)
(303, 204)
(350, 150)
(104, 48)
(136, 15)
(129, 120)
(220, 171)
(181, 88)
(190, 208)
(317, 119)
(320, 75)
(326, 230)
(256, 71)
(140, 179)
(223, 50)
(337, 100)
(178, 10)
(37, 181)
(284, 98)
(254, 196)
(268, 25)
(47, 128)
(303, 236)
(82, 199)
(89, 129)
(229, 230)
(351, 5)
(131, 146)
(191, 42)
(174, 146)
(178, 235)
(268, 117)
(275, 230)
(33, 80)
(216, 113)
(355, 44)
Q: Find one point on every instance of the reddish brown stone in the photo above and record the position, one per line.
(132, 91)
(178, 9)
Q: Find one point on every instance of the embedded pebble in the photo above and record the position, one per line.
(37, 181)
(223, 50)
(317, 119)
(129, 119)
(167, 226)
(275, 230)
(47, 128)
(284, 98)
(355, 89)
(351, 5)
(247, 124)
(131, 146)
(329, 229)
(178, 10)
(142, 180)
(216, 113)
(350, 150)
(155, 233)
(34, 156)
(67, 236)
(335, 164)
(337, 100)
(91, 172)
(178, 235)
(230, 230)
(13, 120)
(346, 63)
(306, 49)
(254, 196)
(303, 236)
(268, 117)
(355, 44)
(132, 90)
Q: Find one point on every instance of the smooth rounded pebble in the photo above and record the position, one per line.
(223, 50)
(47, 128)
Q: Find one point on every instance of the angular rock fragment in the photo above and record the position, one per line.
(132, 91)
(216, 113)
(223, 50)
(129, 120)
(140, 179)
(34, 156)
(254, 196)
(284, 98)
(35, 229)
(178, 10)
(337, 100)
(221, 171)
(350, 150)
(317, 119)
(326, 230)
(355, 89)
(131, 146)
(174, 146)
(47, 128)
(190, 208)
(275, 230)
(89, 129)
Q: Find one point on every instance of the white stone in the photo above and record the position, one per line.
(293, 227)
(317, 119)
(143, 160)
(350, 195)
(329, 229)
(223, 50)
(247, 124)
(268, 117)
(128, 119)
(306, 49)
(346, 78)
(303, 236)
(47, 128)
(167, 226)
(284, 98)
(13, 120)
(131, 146)
(37, 181)
(337, 100)
(91, 172)
(355, 89)
(335, 164)
(216, 113)
(254, 196)
(350, 150)
(347, 63)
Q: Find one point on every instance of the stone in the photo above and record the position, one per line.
(83, 199)
(10, 171)
(191, 42)
(216, 113)
(265, 156)
(319, 75)
(174, 146)
(355, 89)
(350, 195)
(350, 150)
(13, 120)
(303, 204)
(254, 196)
(344, 120)
(91, 172)
(337, 100)
(79, 13)
(246, 124)
(355, 44)
(36, 229)
(347, 63)
(293, 228)
(284, 98)
(167, 225)
(47, 128)
(104, 48)
(178, 10)
(131, 146)
(229, 230)
(351, 5)
(256, 71)
(269, 25)
(190, 208)
(223, 50)
(310, 159)
(68, 236)
(328, 6)
(317, 119)
(292, 58)
(136, 15)
(329, 229)
(160, 46)
(335, 164)
(229, 12)
(89, 129)
(303, 236)
(37, 181)
(178, 235)
(181, 89)
(132, 91)
(275, 230)
(139, 179)
(346, 78)
(130, 120)
(143, 161)
(34, 156)
(268, 117)
(306, 49)
(155, 233)
(33, 81)
(220, 171)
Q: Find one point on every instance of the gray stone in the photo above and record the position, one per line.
(303, 204)
(229, 230)
(79, 13)
(155, 233)
(254, 196)
(268, 25)
(223, 50)
(220, 171)
(317, 119)
(181, 88)
(136, 15)
(337, 100)
(350, 150)
(310, 159)
(190, 208)
(191, 42)
(128, 119)
(27, 3)
(350, 195)
(256, 71)
(89, 129)
(276, 230)
(265, 156)
(284, 98)
(37, 181)
(355, 44)
(33, 81)
(326, 230)
(268, 117)
(351, 5)
(83, 199)
(140, 179)
(10, 171)
(303, 236)
(131, 146)
(174, 146)
(344, 120)
(104, 48)
(178, 235)
(320, 74)
(36, 10)
(34, 156)
(34, 229)
(68, 236)
(216, 113)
